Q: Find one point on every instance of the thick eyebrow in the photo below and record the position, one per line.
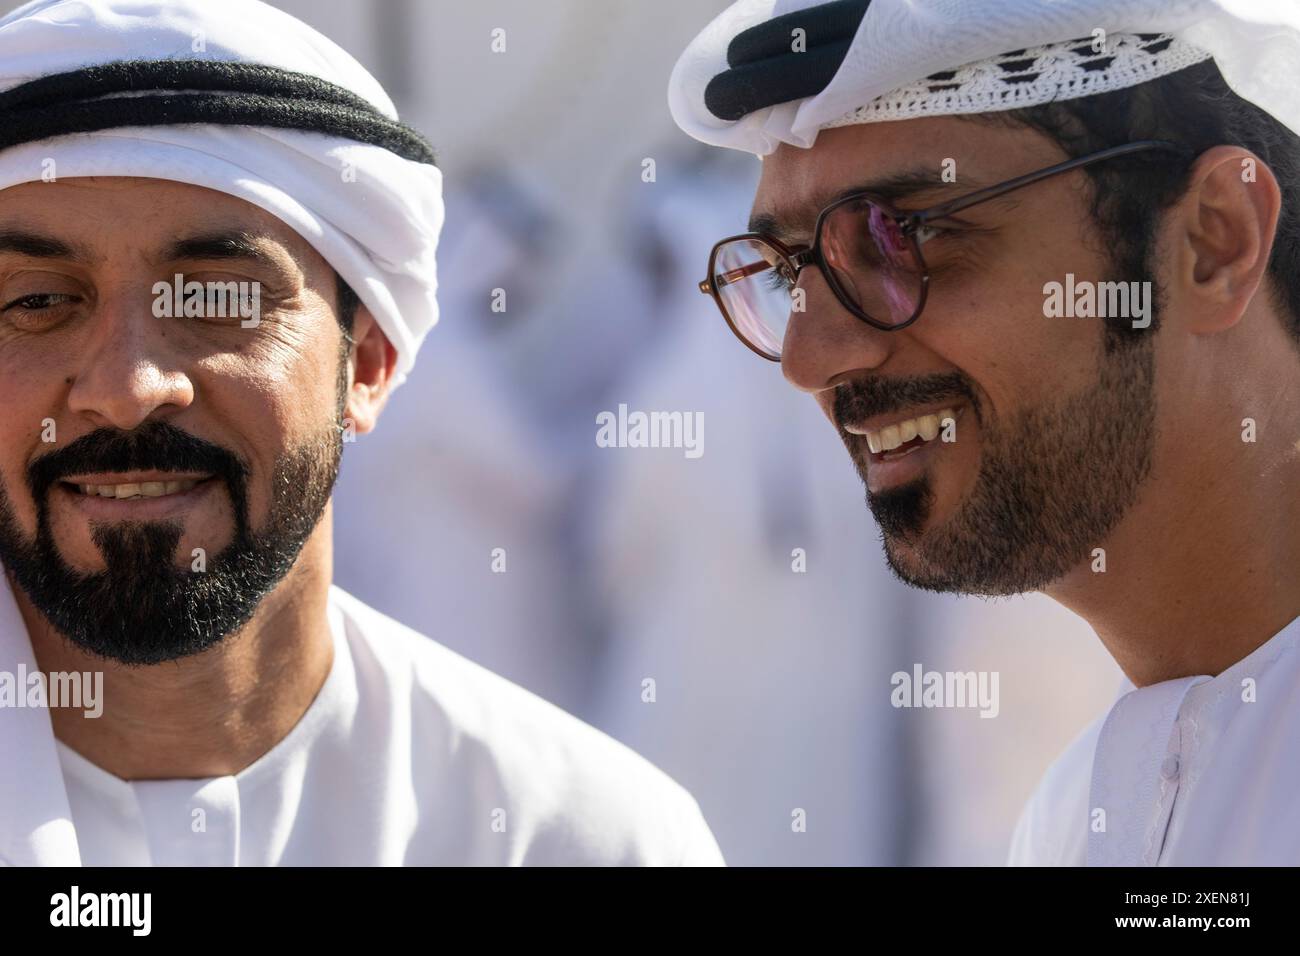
(223, 245)
(903, 184)
(234, 245)
(39, 247)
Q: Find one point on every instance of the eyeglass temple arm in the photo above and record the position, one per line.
(735, 275)
(992, 192)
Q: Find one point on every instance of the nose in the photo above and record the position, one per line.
(128, 370)
(824, 342)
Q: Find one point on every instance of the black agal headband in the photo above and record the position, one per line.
(766, 68)
(137, 93)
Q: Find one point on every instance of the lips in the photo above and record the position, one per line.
(139, 495)
(141, 489)
(906, 433)
(134, 484)
(899, 451)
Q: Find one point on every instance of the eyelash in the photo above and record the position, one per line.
(39, 295)
(778, 281)
(926, 232)
(64, 298)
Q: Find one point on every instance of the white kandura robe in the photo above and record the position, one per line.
(1188, 772)
(410, 754)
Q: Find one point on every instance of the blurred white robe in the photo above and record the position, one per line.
(410, 754)
(1198, 771)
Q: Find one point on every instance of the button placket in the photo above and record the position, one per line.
(1170, 781)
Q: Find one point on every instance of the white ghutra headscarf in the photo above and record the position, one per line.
(767, 72)
(239, 97)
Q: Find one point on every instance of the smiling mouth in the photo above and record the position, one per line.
(904, 437)
(136, 489)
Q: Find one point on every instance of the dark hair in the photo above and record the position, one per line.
(1195, 108)
(345, 309)
(346, 306)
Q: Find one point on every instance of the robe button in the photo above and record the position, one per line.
(1169, 769)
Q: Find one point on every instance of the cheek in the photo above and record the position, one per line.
(250, 415)
(273, 401)
(287, 372)
(997, 334)
(29, 424)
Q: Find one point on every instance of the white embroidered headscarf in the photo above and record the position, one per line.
(767, 72)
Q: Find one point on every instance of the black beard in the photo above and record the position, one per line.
(1053, 482)
(142, 609)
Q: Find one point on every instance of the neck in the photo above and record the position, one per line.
(215, 713)
(1202, 570)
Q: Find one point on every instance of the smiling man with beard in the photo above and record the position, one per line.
(931, 173)
(165, 480)
(144, 608)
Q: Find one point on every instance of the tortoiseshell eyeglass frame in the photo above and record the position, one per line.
(910, 224)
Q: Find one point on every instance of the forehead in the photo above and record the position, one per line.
(125, 212)
(898, 160)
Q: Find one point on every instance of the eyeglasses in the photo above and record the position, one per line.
(868, 252)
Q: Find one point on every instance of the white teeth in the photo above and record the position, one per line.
(143, 489)
(926, 427)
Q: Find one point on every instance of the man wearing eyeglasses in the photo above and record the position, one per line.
(1039, 264)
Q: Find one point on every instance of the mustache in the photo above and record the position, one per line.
(865, 398)
(153, 446)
